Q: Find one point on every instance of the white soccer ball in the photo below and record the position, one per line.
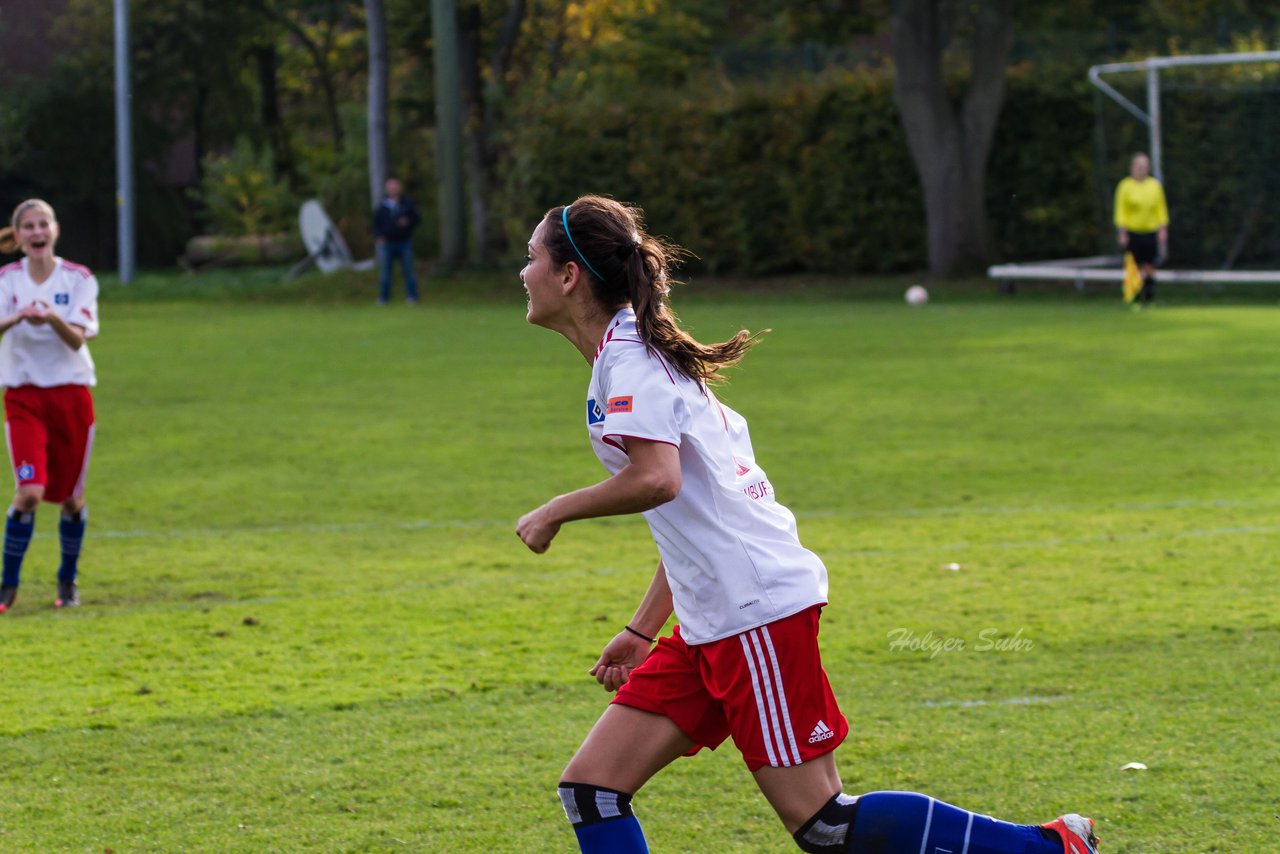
(916, 295)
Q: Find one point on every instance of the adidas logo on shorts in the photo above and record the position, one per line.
(821, 733)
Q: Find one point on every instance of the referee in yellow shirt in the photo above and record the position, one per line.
(1142, 221)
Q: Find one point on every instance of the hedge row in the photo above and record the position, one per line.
(812, 175)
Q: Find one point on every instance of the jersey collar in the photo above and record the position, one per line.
(624, 315)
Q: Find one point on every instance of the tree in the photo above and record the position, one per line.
(453, 235)
(316, 26)
(376, 21)
(483, 87)
(950, 142)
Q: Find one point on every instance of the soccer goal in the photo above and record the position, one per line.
(1211, 124)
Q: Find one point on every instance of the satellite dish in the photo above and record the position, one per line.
(325, 247)
(321, 237)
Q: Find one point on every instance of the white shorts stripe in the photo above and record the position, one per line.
(968, 830)
(782, 695)
(8, 441)
(755, 689)
(769, 679)
(84, 465)
(763, 687)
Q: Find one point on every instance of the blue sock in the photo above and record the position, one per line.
(18, 528)
(891, 822)
(71, 533)
(619, 836)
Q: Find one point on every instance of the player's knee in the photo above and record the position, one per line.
(585, 804)
(827, 832)
(27, 499)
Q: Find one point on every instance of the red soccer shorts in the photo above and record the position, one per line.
(50, 434)
(765, 687)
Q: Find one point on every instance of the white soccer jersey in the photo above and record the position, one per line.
(33, 354)
(733, 558)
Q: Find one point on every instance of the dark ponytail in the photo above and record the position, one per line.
(624, 265)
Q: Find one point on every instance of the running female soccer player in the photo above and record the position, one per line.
(743, 661)
(48, 310)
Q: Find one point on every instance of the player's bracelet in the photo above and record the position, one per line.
(637, 634)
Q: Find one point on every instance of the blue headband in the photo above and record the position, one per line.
(564, 218)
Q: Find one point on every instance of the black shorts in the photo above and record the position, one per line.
(1143, 246)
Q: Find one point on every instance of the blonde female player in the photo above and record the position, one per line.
(48, 310)
(743, 661)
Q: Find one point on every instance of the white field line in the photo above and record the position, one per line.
(905, 513)
(970, 510)
(1054, 542)
(303, 528)
(1011, 700)
(973, 704)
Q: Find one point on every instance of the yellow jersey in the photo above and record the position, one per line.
(1140, 206)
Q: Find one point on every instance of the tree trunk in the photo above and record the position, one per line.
(469, 26)
(449, 156)
(483, 113)
(197, 129)
(268, 63)
(319, 58)
(950, 147)
(376, 22)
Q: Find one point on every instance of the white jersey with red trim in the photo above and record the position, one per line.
(32, 354)
(734, 560)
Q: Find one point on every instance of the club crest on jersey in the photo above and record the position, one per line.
(26, 471)
(62, 299)
(595, 415)
(619, 404)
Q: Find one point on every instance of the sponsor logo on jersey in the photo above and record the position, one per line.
(743, 471)
(62, 299)
(87, 313)
(619, 404)
(26, 471)
(595, 414)
(758, 490)
(821, 732)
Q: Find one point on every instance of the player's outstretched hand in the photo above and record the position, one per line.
(536, 529)
(621, 655)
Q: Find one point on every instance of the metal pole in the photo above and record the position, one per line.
(452, 205)
(1153, 110)
(124, 145)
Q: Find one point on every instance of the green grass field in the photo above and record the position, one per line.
(308, 624)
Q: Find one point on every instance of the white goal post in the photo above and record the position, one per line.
(1109, 268)
(1152, 65)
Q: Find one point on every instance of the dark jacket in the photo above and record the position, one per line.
(386, 220)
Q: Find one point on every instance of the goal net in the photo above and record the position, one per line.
(1211, 125)
(1214, 135)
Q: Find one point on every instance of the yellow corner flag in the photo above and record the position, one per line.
(1132, 278)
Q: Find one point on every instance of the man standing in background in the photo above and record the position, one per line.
(393, 224)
